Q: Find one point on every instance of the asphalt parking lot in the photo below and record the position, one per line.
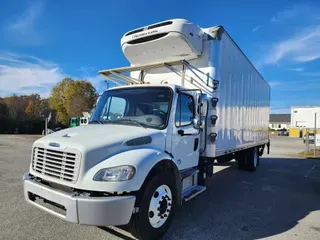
(281, 200)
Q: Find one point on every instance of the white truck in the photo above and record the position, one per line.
(190, 98)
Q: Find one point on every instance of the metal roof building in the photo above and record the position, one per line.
(279, 121)
(303, 117)
(280, 118)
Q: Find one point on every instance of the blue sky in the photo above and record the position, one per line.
(44, 41)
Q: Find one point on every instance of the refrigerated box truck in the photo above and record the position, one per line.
(189, 98)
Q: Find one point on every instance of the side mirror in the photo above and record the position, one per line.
(196, 123)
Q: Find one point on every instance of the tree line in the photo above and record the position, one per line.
(27, 113)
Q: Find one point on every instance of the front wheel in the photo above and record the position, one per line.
(156, 208)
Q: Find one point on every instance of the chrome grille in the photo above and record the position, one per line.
(59, 164)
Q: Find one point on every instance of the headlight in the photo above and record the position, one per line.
(115, 174)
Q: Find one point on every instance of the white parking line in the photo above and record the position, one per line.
(309, 171)
(314, 171)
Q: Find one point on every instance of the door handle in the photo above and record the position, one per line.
(196, 144)
(181, 132)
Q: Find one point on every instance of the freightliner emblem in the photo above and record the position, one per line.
(53, 144)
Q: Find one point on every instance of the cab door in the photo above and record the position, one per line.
(185, 137)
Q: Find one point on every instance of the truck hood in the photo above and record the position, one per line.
(93, 136)
(97, 143)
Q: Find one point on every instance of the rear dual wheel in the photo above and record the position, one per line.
(248, 159)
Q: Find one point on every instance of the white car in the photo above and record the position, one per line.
(311, 138)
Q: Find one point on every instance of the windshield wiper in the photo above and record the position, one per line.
(96, 121)
(124, 120)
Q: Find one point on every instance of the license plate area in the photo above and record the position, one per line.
(53, 206)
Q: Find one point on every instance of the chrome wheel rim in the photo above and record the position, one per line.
(160, 206)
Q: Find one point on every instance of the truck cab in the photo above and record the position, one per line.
(136, 134)
(163, 110)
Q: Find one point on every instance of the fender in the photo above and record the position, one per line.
(143, 159)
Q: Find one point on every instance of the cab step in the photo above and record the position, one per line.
(189, 172)
(191, 192)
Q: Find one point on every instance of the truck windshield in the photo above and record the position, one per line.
(140, 106)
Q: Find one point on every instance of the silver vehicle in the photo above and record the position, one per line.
(283, 132)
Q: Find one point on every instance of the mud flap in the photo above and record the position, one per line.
(268, 147)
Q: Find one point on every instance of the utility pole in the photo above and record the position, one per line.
(46, 127)
(315, 134)
(307, 140)
(46, 124)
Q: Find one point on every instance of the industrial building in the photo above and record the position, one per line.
(279, 121)
(303, 118)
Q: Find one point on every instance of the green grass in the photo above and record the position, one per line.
(309, 154)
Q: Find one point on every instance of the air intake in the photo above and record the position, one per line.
(148, 28)
(148, 38)
(134, 31)
(60, 164)
(160, 25)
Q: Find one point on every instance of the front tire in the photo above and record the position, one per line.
(156, 208)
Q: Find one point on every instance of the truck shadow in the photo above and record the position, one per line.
(114, 232)
(250, 205)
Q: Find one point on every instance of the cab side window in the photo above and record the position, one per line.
(185, 110)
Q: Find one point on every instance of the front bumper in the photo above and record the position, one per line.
(96, 211)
